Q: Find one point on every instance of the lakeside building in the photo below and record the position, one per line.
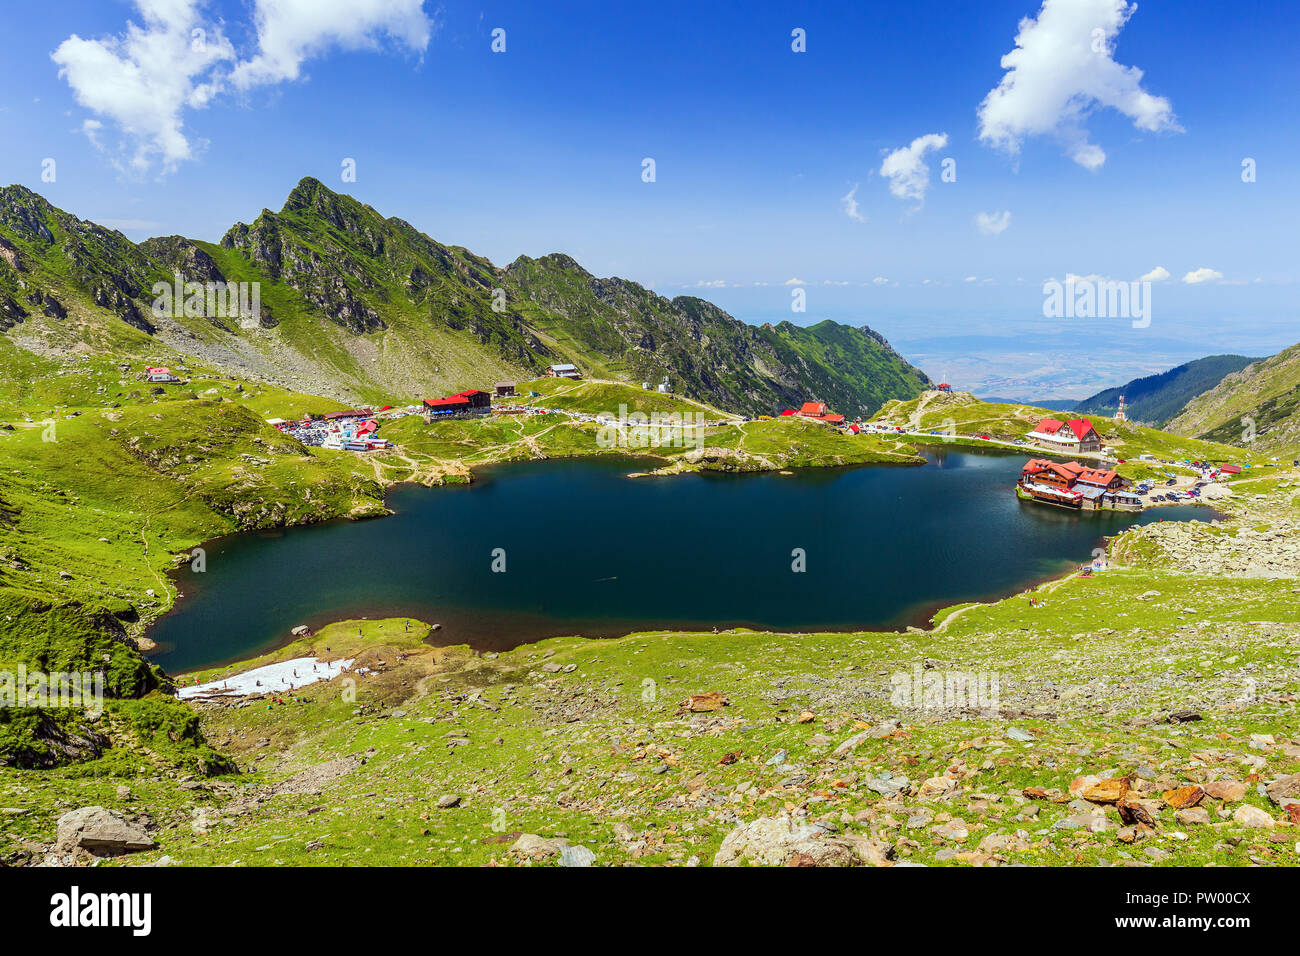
(817, 411)
(563, 371)
(1073, 485)
(465, 404)
(504, 390)
(347, 413)
(1074, 435)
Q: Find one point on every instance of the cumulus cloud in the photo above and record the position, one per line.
(849, 204)
(177, 58)
(145, 78)
(905, 168)
(1158, 274)
(993, 223)
(794, 282)
(1063, 69)
(291, 31)
(1197, 276)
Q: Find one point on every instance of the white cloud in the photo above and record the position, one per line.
(880, 280)
(993, 223)
(709, 284)
(1061, 70)
(1198, 276)
(905, 168)
(1158, 274)
(794, 282)
(291, 31)
(177, 59)
(849, 203)
(145, 78)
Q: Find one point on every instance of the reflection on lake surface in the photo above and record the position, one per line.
(589, 551)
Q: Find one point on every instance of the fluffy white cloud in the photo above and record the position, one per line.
(1197, 276)
(1060, 71)
(176, 59)
(849, 204)
(794, 282)
(1158, 274)
(905, 168)
(880, 280)
(993, 223)
(291, 31)
(145, 78)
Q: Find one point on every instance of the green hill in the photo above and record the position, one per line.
(1258, 407)
(1155, 399)
(363, 308)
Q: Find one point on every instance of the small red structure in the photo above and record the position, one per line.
(1231, 469)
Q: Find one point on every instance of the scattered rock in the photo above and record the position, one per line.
(702, 703)
(533, 847)
(775, 841)
(1184, 797)
(1253, 817)
(577, 856)
(101, 832)
(1230, 791)
(1106, 791)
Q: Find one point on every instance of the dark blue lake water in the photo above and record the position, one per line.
(589, 551)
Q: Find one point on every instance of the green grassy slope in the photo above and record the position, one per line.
(1258, 407)
(1155, 399)
(969, 416)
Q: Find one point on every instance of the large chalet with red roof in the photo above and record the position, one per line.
(1073, 485)
(817, 411)
(461, 405)
(1073, 435)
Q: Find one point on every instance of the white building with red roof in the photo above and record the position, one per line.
(1071, 436)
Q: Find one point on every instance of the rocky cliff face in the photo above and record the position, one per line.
(361, 306)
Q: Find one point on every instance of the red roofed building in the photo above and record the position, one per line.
(471, 402)
(1074, 435)
(817, 411)
(1073, 485)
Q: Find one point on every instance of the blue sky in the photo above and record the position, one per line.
(540, 148)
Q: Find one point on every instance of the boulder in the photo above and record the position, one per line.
(101, 832)
(1253, 817)
(1106, 791)
(577, 856)
(776, 841)
(1229, 791)
(534, 847)
(703, 703)
(1284, 789)
(1182, 798)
